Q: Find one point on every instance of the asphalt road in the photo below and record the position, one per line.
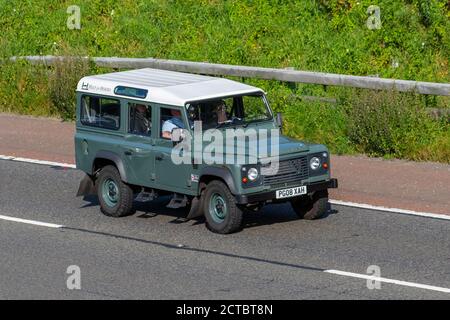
(408, 185)
(155, 254)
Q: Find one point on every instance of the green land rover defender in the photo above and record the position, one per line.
(212, 144)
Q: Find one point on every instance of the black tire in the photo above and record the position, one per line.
(123, 205)
(232, 219)
(311, 207)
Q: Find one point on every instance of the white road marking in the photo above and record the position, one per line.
(331, 271)
(386, 280)
(394, 210)
(43, 162)
(338, 202)
(33, 222)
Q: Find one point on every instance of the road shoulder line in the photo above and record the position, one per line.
(337, 202)
(33, 222)
(392, 210)
(42, 162)
(387, 280)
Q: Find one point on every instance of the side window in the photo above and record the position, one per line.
(170, 119)
(100, 112)
(140, 119)
(255, 108)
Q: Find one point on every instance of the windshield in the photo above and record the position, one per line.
(231, 111)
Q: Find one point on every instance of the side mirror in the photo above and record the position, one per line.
(280, 120)
(178, 135)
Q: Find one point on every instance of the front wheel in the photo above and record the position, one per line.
(114, 195)
(221, 212)
(311, 207)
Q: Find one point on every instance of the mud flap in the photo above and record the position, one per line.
(196, 210)
(87, 187)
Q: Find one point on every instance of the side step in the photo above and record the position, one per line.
(178, 201)
(144, 196)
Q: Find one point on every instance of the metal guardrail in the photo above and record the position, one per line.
(285, 75)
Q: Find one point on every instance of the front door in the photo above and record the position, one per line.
(171, 176)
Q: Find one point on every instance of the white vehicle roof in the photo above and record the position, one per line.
(165, 87)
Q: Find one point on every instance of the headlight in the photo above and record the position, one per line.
(252, 174)
(314, 163)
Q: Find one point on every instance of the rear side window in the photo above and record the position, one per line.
(100, 112)
(131, 92)
(140, 119)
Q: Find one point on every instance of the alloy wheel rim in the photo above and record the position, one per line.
(218, 208)
(110, 192)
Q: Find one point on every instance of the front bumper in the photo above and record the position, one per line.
(271, 195)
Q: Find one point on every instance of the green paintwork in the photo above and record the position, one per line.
(141, 168)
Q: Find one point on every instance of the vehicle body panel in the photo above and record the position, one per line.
(145, 161)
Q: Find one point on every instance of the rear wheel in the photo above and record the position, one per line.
(220, 209)
(115, 196)
(310, 207)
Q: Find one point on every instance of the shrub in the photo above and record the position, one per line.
(425, 12)
(24, 88)
(384, 123)
(63, 82)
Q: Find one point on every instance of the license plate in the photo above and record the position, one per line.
(291, 192)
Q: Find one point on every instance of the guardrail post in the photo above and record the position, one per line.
(291, 85)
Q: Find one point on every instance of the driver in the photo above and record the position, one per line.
(220, 108)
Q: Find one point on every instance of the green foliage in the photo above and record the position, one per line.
(318, 35)
(24, 89)
(390, 123)
(426, 11)
(62, 83)
(318, 122)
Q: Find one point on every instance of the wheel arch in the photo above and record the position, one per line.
(103, 158)
(217, 173)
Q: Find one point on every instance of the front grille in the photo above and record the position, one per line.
(290, 172)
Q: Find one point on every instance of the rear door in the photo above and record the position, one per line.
(99, 128)
(138, 146)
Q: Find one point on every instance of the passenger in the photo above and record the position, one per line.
(172, 123)
(141, 125)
